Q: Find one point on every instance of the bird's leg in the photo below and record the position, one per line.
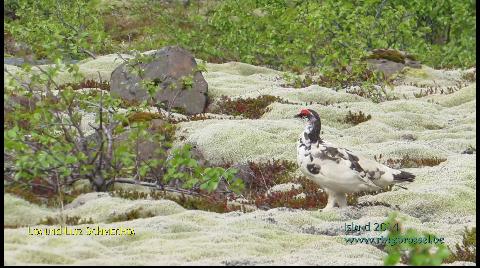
(330, 202)
(335, 200)
(341, 199)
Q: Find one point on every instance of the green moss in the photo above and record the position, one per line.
(42, 257)
(24, 192)
(37, 194)
(353, 198)
(459, 97)
(18, 212)
(181, 228)
(239, 68)
(415, 72)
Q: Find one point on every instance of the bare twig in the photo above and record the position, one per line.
(22, 84)
(172, 102)
(155, 186)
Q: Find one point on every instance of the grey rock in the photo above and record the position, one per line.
(388, 68)
(390, 61)
(168, 67)
(413, 63)
(469, 150)
(408, 137)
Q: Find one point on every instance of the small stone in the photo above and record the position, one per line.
(469, 150)
(408, 137)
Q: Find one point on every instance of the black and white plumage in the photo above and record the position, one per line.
(338, 170)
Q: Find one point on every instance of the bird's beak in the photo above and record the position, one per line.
(298, 116)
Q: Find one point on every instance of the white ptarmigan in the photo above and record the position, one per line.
(338, 170)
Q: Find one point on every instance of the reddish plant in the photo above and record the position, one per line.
(103, 85)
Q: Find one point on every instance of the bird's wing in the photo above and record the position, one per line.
(367, 170)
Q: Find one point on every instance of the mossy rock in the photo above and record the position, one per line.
(143, 117)
(390, 54)
(413, 72)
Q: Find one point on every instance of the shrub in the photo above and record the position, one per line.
(411, 253)
(329, 38)
(293, 35)
(252, 108)
(410, 162)
(136, 213)
(356, 118)
(47, 142)
(181, 166)
(103, 85)
(73, 220)
(56, 29)
(467, 251)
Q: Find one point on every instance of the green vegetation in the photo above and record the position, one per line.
(136, 213)
(73, 220)
(410, 162)
(391, 55)
(50, 143)
(292, 35)
(252, 108)
(52, 29)
(470, 76)
(103, 85)
(467, 251)
(412, 253)
(181, 166)
(356, 118)
(59, 134)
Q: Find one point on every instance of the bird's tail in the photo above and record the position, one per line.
(403, 176)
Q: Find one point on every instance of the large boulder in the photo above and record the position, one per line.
(170, 65)
(390, 61)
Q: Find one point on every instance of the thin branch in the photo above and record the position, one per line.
(155, 186)
(50, 79)
(22, 84)
(89, 53)
(75, 30)
(172, 102)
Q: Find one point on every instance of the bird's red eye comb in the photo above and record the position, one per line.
(305, 112)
